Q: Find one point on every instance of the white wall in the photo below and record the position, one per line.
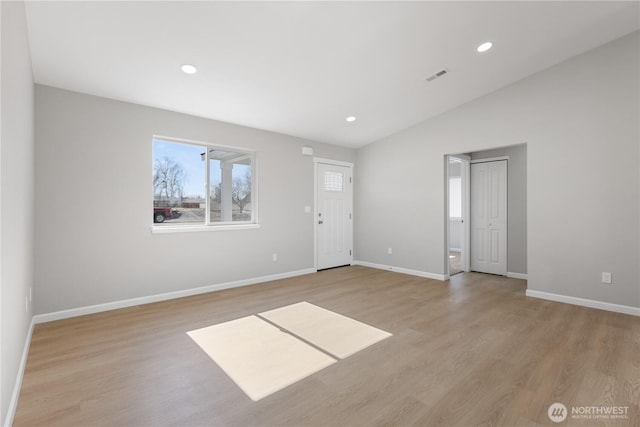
(581, 123)
(16, 195)
(516, 204)
(94, 198)
(455, 231)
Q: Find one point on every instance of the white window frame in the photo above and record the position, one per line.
(209, 225)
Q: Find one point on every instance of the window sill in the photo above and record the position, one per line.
(155, 229)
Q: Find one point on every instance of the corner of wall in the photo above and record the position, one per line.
(17, 203)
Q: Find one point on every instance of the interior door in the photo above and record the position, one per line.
(489, 217)
(334, 229)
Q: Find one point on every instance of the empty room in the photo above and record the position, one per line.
(320, 213)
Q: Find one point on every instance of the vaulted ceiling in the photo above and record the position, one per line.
(301, 68)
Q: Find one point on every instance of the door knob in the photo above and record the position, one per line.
(320, 222)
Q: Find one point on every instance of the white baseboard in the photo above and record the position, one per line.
(81, 311)
(523, 276)
(17, 386)
(625, 309)
(403, 270)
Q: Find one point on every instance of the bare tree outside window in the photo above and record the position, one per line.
(168, 180)
(241, 191)
(216, 194)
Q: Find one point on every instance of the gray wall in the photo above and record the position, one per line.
(16, 194)
(93, 198)
(580, 121)
(516, 204)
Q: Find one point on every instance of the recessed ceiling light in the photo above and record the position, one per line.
(485, 47)
(189, 69)
(351, 118)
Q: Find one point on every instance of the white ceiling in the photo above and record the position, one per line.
(300, 68)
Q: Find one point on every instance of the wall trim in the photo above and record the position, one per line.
(81, 311)
(426, 274)
(523, 276)
(163, 229)
(332, 162)
(490, 159)
(625, 309)
(17, 386)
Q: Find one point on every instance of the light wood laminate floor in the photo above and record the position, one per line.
(471, 351)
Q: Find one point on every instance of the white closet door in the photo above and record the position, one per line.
(489, 217)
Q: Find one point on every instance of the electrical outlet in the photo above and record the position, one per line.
(389, 251)
(606, 277)
(274, 257)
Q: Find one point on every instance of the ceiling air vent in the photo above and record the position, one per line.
(437, 74)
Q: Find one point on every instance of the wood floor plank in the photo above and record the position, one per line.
(471, 351)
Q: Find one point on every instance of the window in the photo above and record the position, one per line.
(201, 184)
(333, 181)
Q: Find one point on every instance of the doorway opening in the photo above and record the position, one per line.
(457, 213)
(494, 245)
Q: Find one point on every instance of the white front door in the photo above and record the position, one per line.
(334, 230)
(489, 217)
